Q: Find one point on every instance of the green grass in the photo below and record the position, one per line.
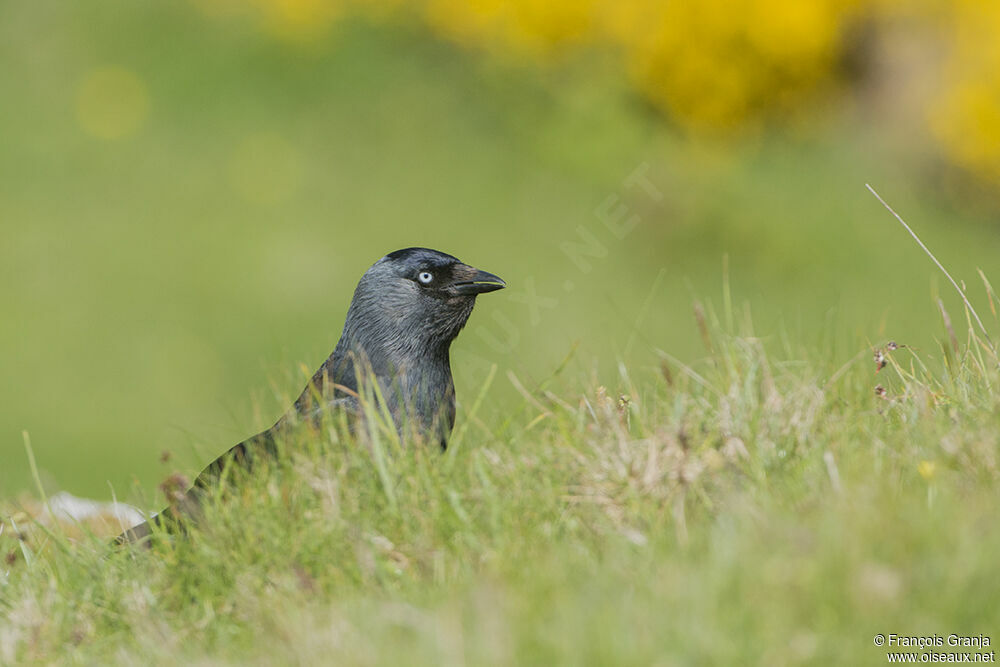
(755, 508)
(751, 501)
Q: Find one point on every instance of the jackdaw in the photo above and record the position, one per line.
(406, 311)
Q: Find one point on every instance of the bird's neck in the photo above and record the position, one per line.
(391, 349)
(413, 376)
(392, 340)
(408, 357)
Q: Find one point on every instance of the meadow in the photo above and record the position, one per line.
(751, 510)
(674, 447)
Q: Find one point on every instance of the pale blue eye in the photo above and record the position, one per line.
(425, 277)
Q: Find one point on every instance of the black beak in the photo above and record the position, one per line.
(481, 283)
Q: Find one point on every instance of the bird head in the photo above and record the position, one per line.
(416, 301)
(437, 275)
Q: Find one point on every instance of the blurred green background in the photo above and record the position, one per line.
(190, 191)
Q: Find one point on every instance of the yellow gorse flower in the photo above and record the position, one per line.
(712, 65)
